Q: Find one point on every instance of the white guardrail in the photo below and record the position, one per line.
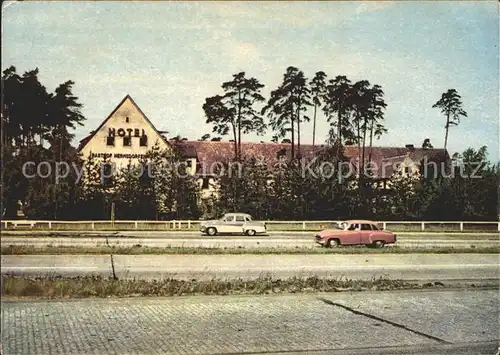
(193, 224)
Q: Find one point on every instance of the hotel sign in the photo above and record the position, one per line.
(122, 132)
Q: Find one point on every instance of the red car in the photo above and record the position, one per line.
(355, 232)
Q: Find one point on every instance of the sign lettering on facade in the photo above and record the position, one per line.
(116, 155)
(121, 132)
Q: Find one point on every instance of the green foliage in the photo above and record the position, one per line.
(451, 106)
(289, 191)
(287, 106)
(31, 118)
(234, 111)
(318, 90)
(337, 106)
(36, 127)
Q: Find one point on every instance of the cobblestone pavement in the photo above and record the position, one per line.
(235, 324)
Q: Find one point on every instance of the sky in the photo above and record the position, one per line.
(170, 56)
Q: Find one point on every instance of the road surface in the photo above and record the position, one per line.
(382, 323)
(418, 267)
(272, 241)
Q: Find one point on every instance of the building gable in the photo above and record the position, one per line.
(125, 134)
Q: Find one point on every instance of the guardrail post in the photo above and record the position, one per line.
(189, 224)
(303, 225)
(461, 226)
(93, 225)
(50, 225)
(499, 226)
(384, 225)
(135, 224)
(423, 225)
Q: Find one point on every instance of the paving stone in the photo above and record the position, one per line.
(210, 325)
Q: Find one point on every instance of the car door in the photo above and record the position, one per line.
(239, 221)
(226, 224)
(352, 235)
(366, 233)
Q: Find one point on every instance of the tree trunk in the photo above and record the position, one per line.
(298, 129)
(362, 171)
(235, 143)
(446, 129)
(339, 125)
(314, 126)
(293, 133)
(371, 143)
(239, 126)
(358, 138)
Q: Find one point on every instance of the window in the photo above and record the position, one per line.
(107, 175)
(366, 227)
(229, 219)
(352, 227)
(127, 119)
(205, 183)
(407, 170)
(374, 227)
(240, 218)
(110, 140)
(143, 141)
(127, 141)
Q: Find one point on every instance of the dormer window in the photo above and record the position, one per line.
(127, 119)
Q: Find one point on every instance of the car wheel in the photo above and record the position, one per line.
(332, 243)
(211, 231)
(378, 244)
(251, 232)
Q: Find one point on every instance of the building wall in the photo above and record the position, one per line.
(126, 120)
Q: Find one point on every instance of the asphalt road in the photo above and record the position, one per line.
(375, 323)
(198, 234)
(301, 240)
(418, 267)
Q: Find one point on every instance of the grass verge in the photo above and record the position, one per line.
(15, 249)
(85, 287)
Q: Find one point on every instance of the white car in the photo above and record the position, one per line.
(239, 223)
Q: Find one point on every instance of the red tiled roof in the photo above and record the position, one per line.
(210, 152)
